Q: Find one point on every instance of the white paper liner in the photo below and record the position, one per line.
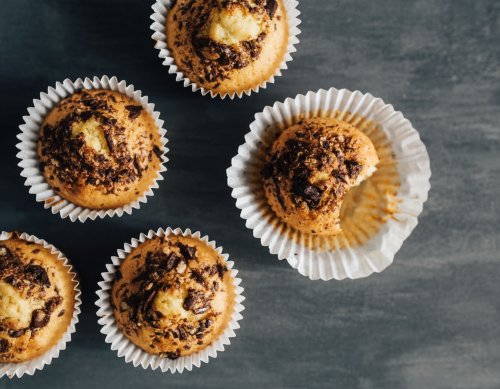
(159, 17)
(29, 156)
(135, 355)
(29, 367)
(413, 166)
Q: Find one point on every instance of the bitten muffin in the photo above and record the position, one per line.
(37, 298)
(310, 168)
(228, 45)
(173, 296)
(99, 149)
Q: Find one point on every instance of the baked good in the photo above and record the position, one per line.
(99, 149)
(173, 296)
(310, 168)
(37, 298)
(227, 46)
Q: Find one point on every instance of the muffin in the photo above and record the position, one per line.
(37, 299)
(173, 296)
(99, 149)
(310, 168)
(228, 46)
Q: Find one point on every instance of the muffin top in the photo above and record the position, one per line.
(99, 149)
(37, 299)
(228, 45)
(173, 296)
(310, 168)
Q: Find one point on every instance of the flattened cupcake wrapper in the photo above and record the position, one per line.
(159, 17)
(29, 156)
(135, 355)
(29, 367)
(339, 261)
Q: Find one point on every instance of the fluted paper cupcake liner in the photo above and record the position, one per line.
(29, 156)
(135, 355)
(159, 17)
(29, 367)
(362, 252)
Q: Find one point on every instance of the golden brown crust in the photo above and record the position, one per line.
(37, 299)
(173, 296)
(99, 149)
(310, 168)
(228, 45)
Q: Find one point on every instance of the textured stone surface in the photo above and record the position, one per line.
(431, 320)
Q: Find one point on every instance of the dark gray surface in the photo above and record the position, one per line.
(431, 320)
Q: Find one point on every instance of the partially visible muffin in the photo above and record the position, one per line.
(228, 46)
(310, 168)
(99, 149)
(173, 296)
(37, 298)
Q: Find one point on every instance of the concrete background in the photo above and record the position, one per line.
(431, 320)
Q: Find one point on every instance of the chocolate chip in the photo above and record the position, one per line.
(197, 276)
(39, 318)
(182, 333)
(109, 140)
(200, 310)
(95, 104)
(353, 168)
(172, 261)
(312, 193)
(271, 7)
(221, 269)
(37, 274)
(188, 252)
(196, 302)
(137, 167)
(267, 171)
(173, 354)
(86, 115)
(157, 151)
(133, 111)
(4, 345)
(17, 334)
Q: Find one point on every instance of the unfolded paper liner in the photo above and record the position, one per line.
(347, 258)
(135, 355)
(159, 17)
(28, 154)
(29, 367)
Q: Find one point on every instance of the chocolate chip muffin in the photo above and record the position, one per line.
(310, 168)
(99, 149)
(228, 46)
(173, 296)
(37, 298)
